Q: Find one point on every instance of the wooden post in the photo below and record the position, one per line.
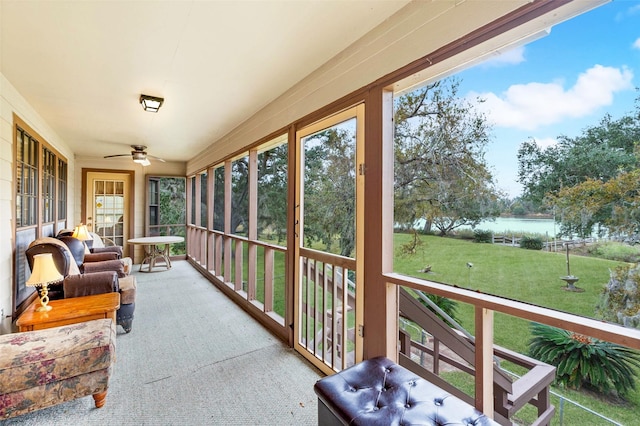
(484, 361)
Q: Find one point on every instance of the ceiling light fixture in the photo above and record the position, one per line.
(151, 103)
(140, 157)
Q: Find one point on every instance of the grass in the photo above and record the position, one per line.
(525, 275)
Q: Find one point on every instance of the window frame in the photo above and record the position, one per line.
(39, 224)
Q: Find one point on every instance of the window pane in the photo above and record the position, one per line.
(167, 206)
(62, 190)
(218, 199)
(240, 196)
(203, 200)
(26, 173)
(192, 219)
(272, 194)
(330, 190)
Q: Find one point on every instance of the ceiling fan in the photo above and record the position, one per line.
(139, 155)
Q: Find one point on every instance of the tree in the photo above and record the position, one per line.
(330, 190)
(272, 191)
(613, 205)
(440, 171)
(598, 155)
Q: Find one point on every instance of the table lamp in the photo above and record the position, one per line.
(44, 273)
(82, 233)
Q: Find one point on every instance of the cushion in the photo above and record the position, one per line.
(128, 264)
(34, 358)
(99, 257)
(97, 240)
(90, 284)
(105, 265)
(378, 392)
(127, 290)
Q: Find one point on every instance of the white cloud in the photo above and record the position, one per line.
(629, 12)
(510, 57)
(529, 106)
(636, 44)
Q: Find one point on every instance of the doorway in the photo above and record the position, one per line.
(329, 217)
(107, 205)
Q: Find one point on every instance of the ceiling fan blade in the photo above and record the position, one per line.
(117, 155)
(156, 158)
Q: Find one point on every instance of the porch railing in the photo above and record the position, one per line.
(328, 308)
(253, 270)
(509, 396)
(485, 305)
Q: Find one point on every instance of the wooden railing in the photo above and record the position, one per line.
(222, 257)
(328, 308)
(509, 396)
(485, 305)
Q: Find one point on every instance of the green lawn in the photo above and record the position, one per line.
(525, 275)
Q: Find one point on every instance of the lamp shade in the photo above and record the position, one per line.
(82, 233)
(44, 271)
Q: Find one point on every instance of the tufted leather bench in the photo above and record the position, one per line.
(379, 392)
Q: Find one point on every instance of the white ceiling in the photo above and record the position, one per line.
(82, 65)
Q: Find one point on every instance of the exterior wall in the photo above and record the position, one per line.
(12, 102)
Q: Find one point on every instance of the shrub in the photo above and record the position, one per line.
(620, 299)
(582, 360)
(482, 236)
(448, 306)
(531, 243)
(464, 234)
(616, 251)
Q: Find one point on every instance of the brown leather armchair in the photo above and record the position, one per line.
(95, 246)
(92, 278)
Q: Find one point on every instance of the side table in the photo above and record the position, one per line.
(70, 311)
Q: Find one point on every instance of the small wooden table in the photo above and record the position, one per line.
(70, 311)
(152, 252)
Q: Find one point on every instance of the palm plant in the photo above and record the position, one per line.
(582, 360)
(448, 306)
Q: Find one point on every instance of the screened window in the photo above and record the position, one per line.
(40, 201)
(203, 200)
(272, 193)
(240, 196)
(167, 208)
(26, 179)
(62, 189)
(48, 185)
(218, 199)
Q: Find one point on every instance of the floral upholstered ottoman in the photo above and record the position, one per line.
(46, 367)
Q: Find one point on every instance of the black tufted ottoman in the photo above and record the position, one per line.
(379, 392)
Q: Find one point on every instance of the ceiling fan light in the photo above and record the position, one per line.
(144, 162)
(151, 103)
(138, 155)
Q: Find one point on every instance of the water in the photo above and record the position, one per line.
(504, 225)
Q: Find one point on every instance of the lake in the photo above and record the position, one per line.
(503, 225)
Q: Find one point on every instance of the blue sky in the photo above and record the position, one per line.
(558, 85)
